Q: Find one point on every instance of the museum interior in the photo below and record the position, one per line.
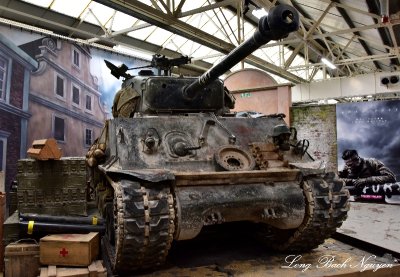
(199, 138)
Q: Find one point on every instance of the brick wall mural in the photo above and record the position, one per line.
(318, 125)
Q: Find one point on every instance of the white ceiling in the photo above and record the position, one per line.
(347, 32)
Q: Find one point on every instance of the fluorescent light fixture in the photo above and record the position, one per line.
(259, 13)
(328, 63)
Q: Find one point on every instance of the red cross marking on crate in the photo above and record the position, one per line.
(64, 252)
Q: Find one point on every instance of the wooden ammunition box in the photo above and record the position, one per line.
(22, 259)
(45, 149)
(69, 249)
(54, 187)
(11, 232)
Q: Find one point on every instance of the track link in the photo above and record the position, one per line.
(143, 219)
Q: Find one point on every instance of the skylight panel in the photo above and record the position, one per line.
(123, 21)
(191, 5)
(179, 40)
(146, 2)
(98, 13)
(249, 30)
(170, 45)
(210, 28)
(227, 13)
(298, 61)
(198, 20)
(232, 21)
(189, 48)
(270, 55)
(274, 58)
(73, 8)
(203, 52)
(42, 3)
(159, 36)
(142, 34)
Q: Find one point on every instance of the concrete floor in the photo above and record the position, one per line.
(378, 224)
(229, 255)
(227, 251)
(333, 258)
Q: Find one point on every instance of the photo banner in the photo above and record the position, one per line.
(371, 128)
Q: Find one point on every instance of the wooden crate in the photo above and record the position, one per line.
(22, 260)
(95, 269)
(69, 249)
(54, 187)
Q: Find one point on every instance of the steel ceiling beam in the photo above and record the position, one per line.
(267, 4)
(312, 39)
(359, 60)
(373, 6)
(307, 36)
(168, 22)
(336, 33)
(121, 32)
(62, 24)
(353, 9)
(350, 23)
(207, 8)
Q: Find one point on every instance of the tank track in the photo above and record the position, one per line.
(143, 219)
(327, 204)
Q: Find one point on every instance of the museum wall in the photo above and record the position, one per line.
(368, 84)
(274, 99)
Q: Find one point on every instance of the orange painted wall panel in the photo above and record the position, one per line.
(271, 101)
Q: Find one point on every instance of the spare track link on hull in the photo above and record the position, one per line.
(144, 225)
(326, 209)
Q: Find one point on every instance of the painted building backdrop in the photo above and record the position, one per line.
(15, 70)
(52, 88)
(372, 128)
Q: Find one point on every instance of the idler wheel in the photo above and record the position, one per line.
(233, 158)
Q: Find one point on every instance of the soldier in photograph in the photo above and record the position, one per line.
(360, 172)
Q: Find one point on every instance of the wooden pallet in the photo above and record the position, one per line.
(95, 269)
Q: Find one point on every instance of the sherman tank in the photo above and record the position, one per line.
(179, 160)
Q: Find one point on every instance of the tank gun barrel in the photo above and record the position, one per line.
(281, 20)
